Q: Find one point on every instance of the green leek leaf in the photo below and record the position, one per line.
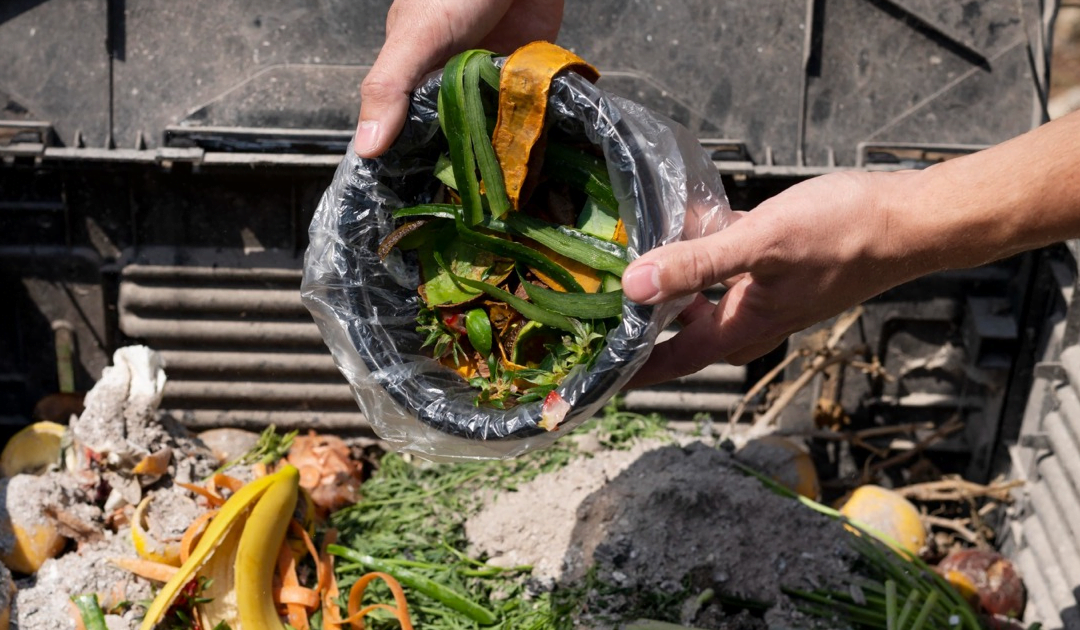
(455, 126)
(565, 244)
(434, 210)
(580, 305)
(490, 171)
(444, 171)
(522, 254)
(582, 171)
(528, 309)
(597, 219)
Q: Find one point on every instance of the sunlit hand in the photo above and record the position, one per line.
(422, 34)
(802, 256)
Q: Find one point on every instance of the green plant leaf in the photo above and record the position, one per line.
(490, 172)
(520, 253)
(444, 171)
(455, 126)
(562, 243)
(598, 220)
(580, 305)
(529, 310)
(439, 288)
(581, 171)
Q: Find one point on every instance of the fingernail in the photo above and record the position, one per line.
(641, 283)
(367, 137)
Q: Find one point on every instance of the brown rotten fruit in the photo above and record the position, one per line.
(986, 577)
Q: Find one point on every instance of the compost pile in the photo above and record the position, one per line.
(631, 518)
(664, 518)
(131, 521)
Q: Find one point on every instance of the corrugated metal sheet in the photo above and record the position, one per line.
(239, 346)
(1043, 536)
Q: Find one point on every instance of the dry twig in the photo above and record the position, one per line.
(824, 356)
(957, 489)
(945, 430)
(957, 525)
(859, 438)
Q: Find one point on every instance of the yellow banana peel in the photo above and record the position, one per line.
(256, 555)
(237, 554)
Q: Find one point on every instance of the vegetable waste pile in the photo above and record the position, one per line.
(521, 263)
(150, 527)
(118, 521)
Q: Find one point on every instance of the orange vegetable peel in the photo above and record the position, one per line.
(523, 93)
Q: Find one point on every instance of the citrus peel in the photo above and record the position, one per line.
(32, 449)
(28, 537)
(888, 516)
(148, 547)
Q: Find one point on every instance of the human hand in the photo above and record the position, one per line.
(802, 256)
(421, 35)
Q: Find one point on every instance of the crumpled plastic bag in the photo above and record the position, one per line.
(365, 308)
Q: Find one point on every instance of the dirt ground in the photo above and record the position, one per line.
(660, 518)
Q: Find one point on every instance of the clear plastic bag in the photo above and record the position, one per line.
(668, 190)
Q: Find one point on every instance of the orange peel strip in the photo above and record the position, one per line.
(298, 530)
(357, 619)
(331, 611)
(297, 595)
(213, 498)
(286, 564)
(154, 571)
(356, 595)
(523, 93)
(193, 532)
(221, 480)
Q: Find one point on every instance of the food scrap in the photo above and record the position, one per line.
(520, 266)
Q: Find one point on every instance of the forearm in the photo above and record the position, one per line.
(1016, 196)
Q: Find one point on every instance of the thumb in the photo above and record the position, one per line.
(385, 91)
(687, 267)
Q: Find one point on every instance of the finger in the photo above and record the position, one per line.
(669, 360)
(665, 362)
(704, 220)
(526, 21)
(385, 91)
(756, 351)
(700, 307)
(418, 38)
(733, 280)
(736, 329)
(687, 267)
